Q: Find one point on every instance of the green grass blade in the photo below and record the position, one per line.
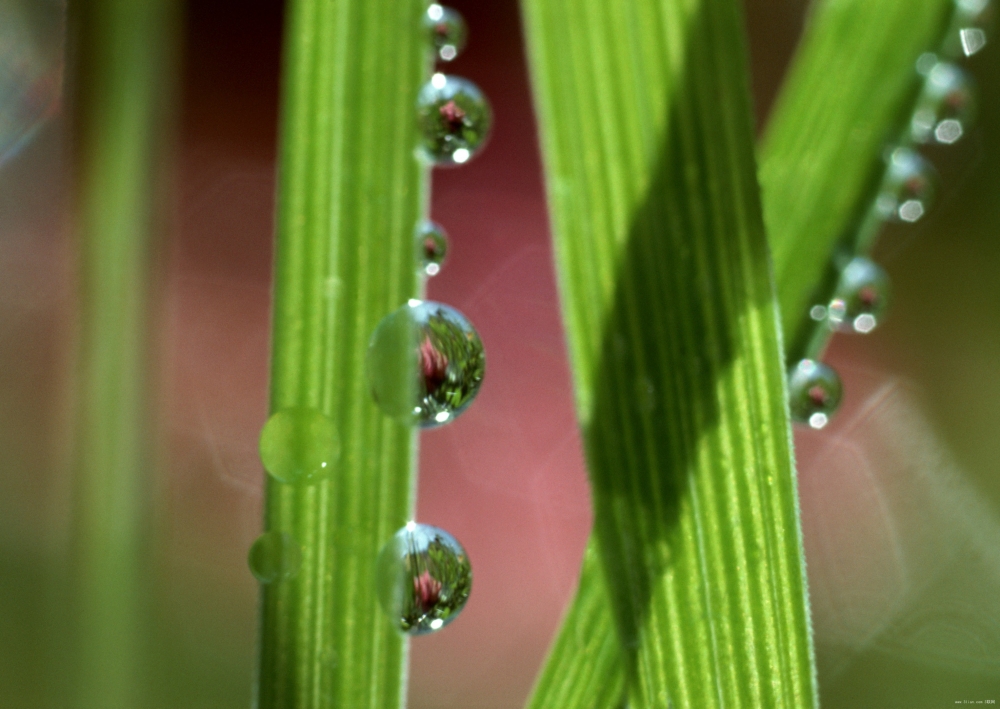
(874, 47)
(672, 329)
(851, 86)
(584, 669)
(123, 76)
(350, 195)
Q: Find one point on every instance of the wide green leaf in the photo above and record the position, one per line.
(669, 308)
(350, 195)
(819, 167)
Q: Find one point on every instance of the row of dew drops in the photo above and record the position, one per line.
(944, 112)
(425, 366)
(423, 575)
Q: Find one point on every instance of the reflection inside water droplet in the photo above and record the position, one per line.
(299, 446)
(424, 578)
(425, 364)
(432, 247)
(946, 106)
(31, 51)
(274, 556)
(908, 188)
(814, 393)
(454, 118)
(447, 31)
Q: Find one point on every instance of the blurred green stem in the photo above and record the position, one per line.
(122, 65)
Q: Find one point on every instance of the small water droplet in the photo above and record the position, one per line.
(425, 364)
(432, 247)
(447, 31)
(454, 118)
(818, 313)
(814, 393)
(645, 393)
(972, 18)
(908, 188)
(861, 298)
(299, 446)
(973, 11)
(275, 556)
(946, 106)
(424, 578)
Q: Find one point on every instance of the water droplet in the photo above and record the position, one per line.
(908, 188)
(861, 298)
(299, 446)
(973, 40)
(423, 578)
(926, 62)
(814, 393)
(31, 51)
(447, 31)
(425, 364)
(967, 33)
(818, 313)
(432, 247)
(275, 556)
(946, 106)
(454, 118)
(973, 12)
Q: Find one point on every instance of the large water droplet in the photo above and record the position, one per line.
(814, 393)
(299, 446)
(432, 247)
(275, 556)
(424, 578)
(425, 364)
(946, 106)
(454, 118)
(862, 296)
(31, 51)
(908, 188)
(447, 31)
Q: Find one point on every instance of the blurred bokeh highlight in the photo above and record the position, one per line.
(900, 494)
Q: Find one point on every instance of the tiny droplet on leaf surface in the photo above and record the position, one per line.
(299, 446)
(908, 188)
(432, 247)
(274, 556)
(447, 31)
(946, 106)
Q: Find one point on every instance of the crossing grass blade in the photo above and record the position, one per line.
(673, 334)
(819, 162)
